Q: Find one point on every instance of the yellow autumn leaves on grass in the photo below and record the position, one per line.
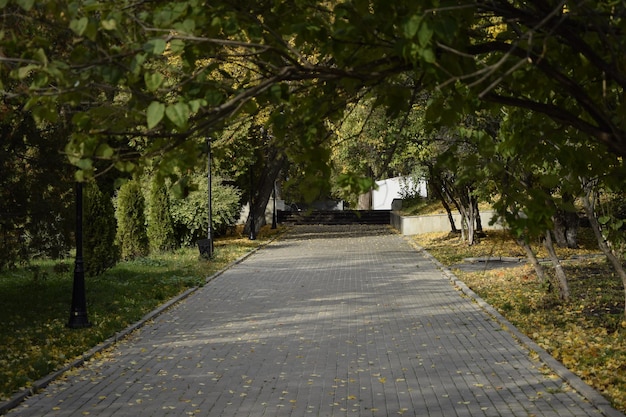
(587, 335)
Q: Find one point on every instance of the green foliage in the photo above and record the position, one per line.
(143, 80)
(369, 141)
(351, 185)
(190, 214)
(131, 224)
(36, 193)
(612, 217)
(160, 222)
(178, 77)
(226, 206)
(531, 164)
(410, 185)
(376, 140)
(99, 230)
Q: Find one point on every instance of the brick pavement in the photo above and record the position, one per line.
(327, 321)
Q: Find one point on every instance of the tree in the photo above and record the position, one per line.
(373, 144)
(554, 58)
(139, 80)
(456, 158)
(36, 197)
(547, 57)
(131, 221)
(190, 213)
(253, 158)
(160, 227)
(268, 161)
(100, 229)
(457, 175)
(123, 53)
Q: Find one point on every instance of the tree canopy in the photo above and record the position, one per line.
(143, 79)
(136, 81)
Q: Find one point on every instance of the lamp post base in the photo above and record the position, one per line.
(78, 321)
(205, 246)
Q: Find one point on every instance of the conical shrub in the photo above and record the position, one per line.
(131, 221)
(160, 223)
(99, 229)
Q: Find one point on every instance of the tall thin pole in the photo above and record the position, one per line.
(210, 196)
(274, 206)
(78, 313)
(252, 235)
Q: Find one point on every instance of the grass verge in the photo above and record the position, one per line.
(587, 334)
(35, 305)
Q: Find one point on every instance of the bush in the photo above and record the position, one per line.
(99, 231)
(131, 221)
(191, 213)
(160, 222)
(36, 195)
(12, 248)
(226, 207)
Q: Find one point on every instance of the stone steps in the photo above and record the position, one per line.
(331, 217)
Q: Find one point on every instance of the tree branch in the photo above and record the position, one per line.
(614, 141)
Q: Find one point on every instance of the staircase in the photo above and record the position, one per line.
(335, 217)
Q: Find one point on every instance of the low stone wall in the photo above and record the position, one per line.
(414, 225)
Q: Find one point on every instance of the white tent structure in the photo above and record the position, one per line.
(395, 188)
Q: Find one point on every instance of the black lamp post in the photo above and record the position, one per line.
(252, 225)
(78, 313)
(210, 196)
(205, 246)
(274, 206)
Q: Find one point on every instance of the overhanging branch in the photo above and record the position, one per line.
(613, 140)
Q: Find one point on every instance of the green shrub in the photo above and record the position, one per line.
(160, 222)
(131, 221)
(99, 230)
(191, 213)
(49, 236)
(226, 207)
(36, 190)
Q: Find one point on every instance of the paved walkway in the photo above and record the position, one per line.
(327, 321)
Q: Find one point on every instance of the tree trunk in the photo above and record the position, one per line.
(365, 201)
(471, 224)
(561, 277)
(532, 258)
(448, 210)
(446, 207)
(477, 226)
(436, 187)
(463, 223)
(566, 226)
(602, 244)
(262, 184)
(479, 222)
(468, 216)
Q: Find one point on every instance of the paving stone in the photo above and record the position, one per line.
(327, 321)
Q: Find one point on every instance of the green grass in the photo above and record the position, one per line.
(587, 334)
(35, 305)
